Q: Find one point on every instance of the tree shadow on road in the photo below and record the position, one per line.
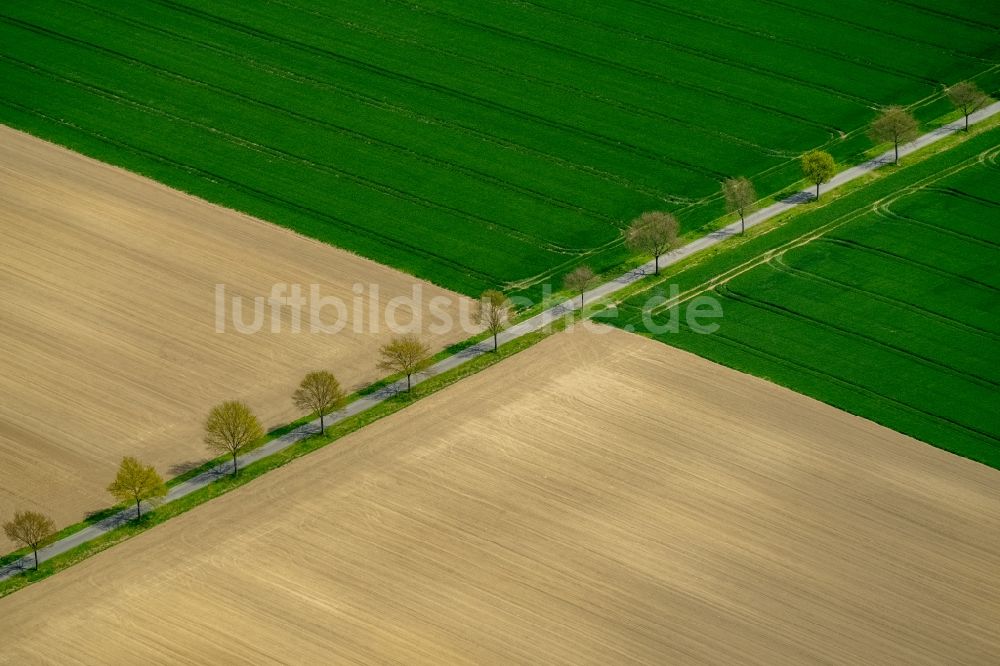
(800, 197)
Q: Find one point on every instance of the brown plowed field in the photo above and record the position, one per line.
(107, 327)
(599, 499)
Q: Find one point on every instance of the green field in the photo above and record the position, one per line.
(477, 144)
(885, 303)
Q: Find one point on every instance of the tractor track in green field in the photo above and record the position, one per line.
(937, 13)
(891, 217)
(701, 53)
(353, 94)
(449, 91)
(779, 262)
(604, 62)
(959, 194)
(862, 247)
(728, 291)
(836, 55)
(353, 133)
(380, 104)
(875, 31)
(688, 124)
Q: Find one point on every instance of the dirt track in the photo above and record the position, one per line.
(107, 329)
(595, 499)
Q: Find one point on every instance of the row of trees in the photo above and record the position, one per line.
(897, 126)
(231, 428)
(655, 232)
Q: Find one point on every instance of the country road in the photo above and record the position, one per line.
(530, 325)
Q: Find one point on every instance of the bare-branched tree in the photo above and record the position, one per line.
(894, 124)
(741, 198)
(654, 232)
(967, 98)
(494, 313)
(579, 281)
(30, 529)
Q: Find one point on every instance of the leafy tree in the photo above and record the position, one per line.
(495, 312)
(579, 280)
(406, 355)
(967, 98)
(319, 393)
(894, 124)
(31, 529)
(654, 232)
(818, 168)
(137, 482)
(230, 428)
(740, 198)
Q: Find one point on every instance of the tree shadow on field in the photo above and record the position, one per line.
(185, 467)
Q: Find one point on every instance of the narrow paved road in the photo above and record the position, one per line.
(535, 323)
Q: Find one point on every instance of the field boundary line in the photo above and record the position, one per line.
(789, 363)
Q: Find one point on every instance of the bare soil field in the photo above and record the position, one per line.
(108, 329)
(599, 498)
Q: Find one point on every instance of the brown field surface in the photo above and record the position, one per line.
(596, 499)
(107, 328)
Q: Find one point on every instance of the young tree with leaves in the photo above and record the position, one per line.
(137, 483)
(967, 98)
(30, 529)
(319, 393)
(579, 280)
(818, 167)
(654, 232)
(230, 428)
(406, 355)
(494, 312)
(741, 198)
(894, 124)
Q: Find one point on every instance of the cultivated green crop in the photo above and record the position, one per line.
(476, 144)
(885, 303)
